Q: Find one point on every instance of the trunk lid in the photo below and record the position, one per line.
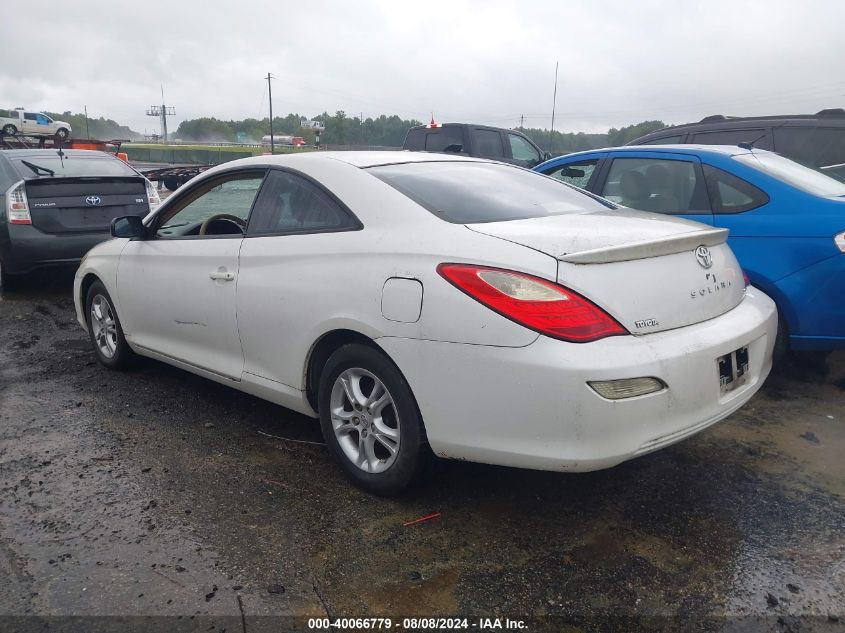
(650, 272)
(84, 205)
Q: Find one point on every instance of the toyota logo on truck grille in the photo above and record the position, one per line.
(93, 201)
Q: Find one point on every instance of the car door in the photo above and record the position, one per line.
(658, 182)
(177, 288)
(288, 281)
(29, 124)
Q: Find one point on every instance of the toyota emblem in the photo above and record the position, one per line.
(93, 201)
(705, 259)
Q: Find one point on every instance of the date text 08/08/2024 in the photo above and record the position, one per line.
(414, 624)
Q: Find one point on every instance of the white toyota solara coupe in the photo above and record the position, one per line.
(421, 303)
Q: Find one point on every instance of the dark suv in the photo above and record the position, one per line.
(481, 141)
(815, 140)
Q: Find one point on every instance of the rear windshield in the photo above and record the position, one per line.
(469, 192)
(70, 165)
(809, 180)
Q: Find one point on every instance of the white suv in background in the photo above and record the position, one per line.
(18, 121)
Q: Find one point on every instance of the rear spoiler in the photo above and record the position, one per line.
(650, 248)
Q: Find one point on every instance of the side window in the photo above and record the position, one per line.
(652, 184)
(487, 143)
(577, 174)
(291, 204)
(523, 150)
(664, 140)
(29, 116)
(220, 207)
(444, 139)
(758, 136)
(813, 147)
(41, 119)
(730, 194)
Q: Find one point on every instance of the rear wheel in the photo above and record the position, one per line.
(105, 331)
(9, 129)
(7, 281)
(370, 420)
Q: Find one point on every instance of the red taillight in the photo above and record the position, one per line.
(745, 279)
(538, 304)
(17, 205)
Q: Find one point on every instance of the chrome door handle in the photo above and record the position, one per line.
(219, 275)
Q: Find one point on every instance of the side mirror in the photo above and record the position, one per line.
(130, 226)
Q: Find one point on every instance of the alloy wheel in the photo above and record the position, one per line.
(365, 420)
(103, 326)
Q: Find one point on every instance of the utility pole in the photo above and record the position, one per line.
(521, 122)
(270, 97)
(87, 133)
(554, 103)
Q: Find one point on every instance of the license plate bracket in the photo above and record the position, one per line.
(733, 369)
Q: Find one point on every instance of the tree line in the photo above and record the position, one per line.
(387, 130)
(99, 128)
(341, 129)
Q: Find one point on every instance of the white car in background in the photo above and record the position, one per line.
(422, 303)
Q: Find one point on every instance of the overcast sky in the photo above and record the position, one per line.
(488, 62)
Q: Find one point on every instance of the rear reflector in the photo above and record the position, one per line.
(17, 206)
(626, 387)
(538, 304)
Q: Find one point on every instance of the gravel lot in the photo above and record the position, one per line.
(157, 493)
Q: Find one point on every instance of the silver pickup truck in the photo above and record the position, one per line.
(19, 121)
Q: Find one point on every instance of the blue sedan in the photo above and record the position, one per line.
(786, 221)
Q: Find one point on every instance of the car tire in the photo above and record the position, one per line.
(61, 134)
(781, 341)
(7, 281)
(10, 130)
(359, 436)
(104, 329)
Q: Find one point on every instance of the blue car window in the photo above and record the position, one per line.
(577, 174)
(730, 194)
(809, 180)
(653, 184)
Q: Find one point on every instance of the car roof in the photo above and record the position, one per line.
(719, 122)
(362, 159)
(692, 150)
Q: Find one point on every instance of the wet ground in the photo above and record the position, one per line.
(157, 493)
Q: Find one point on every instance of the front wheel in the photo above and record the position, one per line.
(61, 134)
(104, 329)
(370, 420)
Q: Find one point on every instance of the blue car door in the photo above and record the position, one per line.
(656, 181)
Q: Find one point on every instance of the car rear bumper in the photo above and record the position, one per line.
(27, 248)
(531, 407)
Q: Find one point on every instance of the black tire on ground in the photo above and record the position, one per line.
(62, 134)
(414, 455)
(781, 341)
(123, 356)
(9, 129)
(7, 281)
